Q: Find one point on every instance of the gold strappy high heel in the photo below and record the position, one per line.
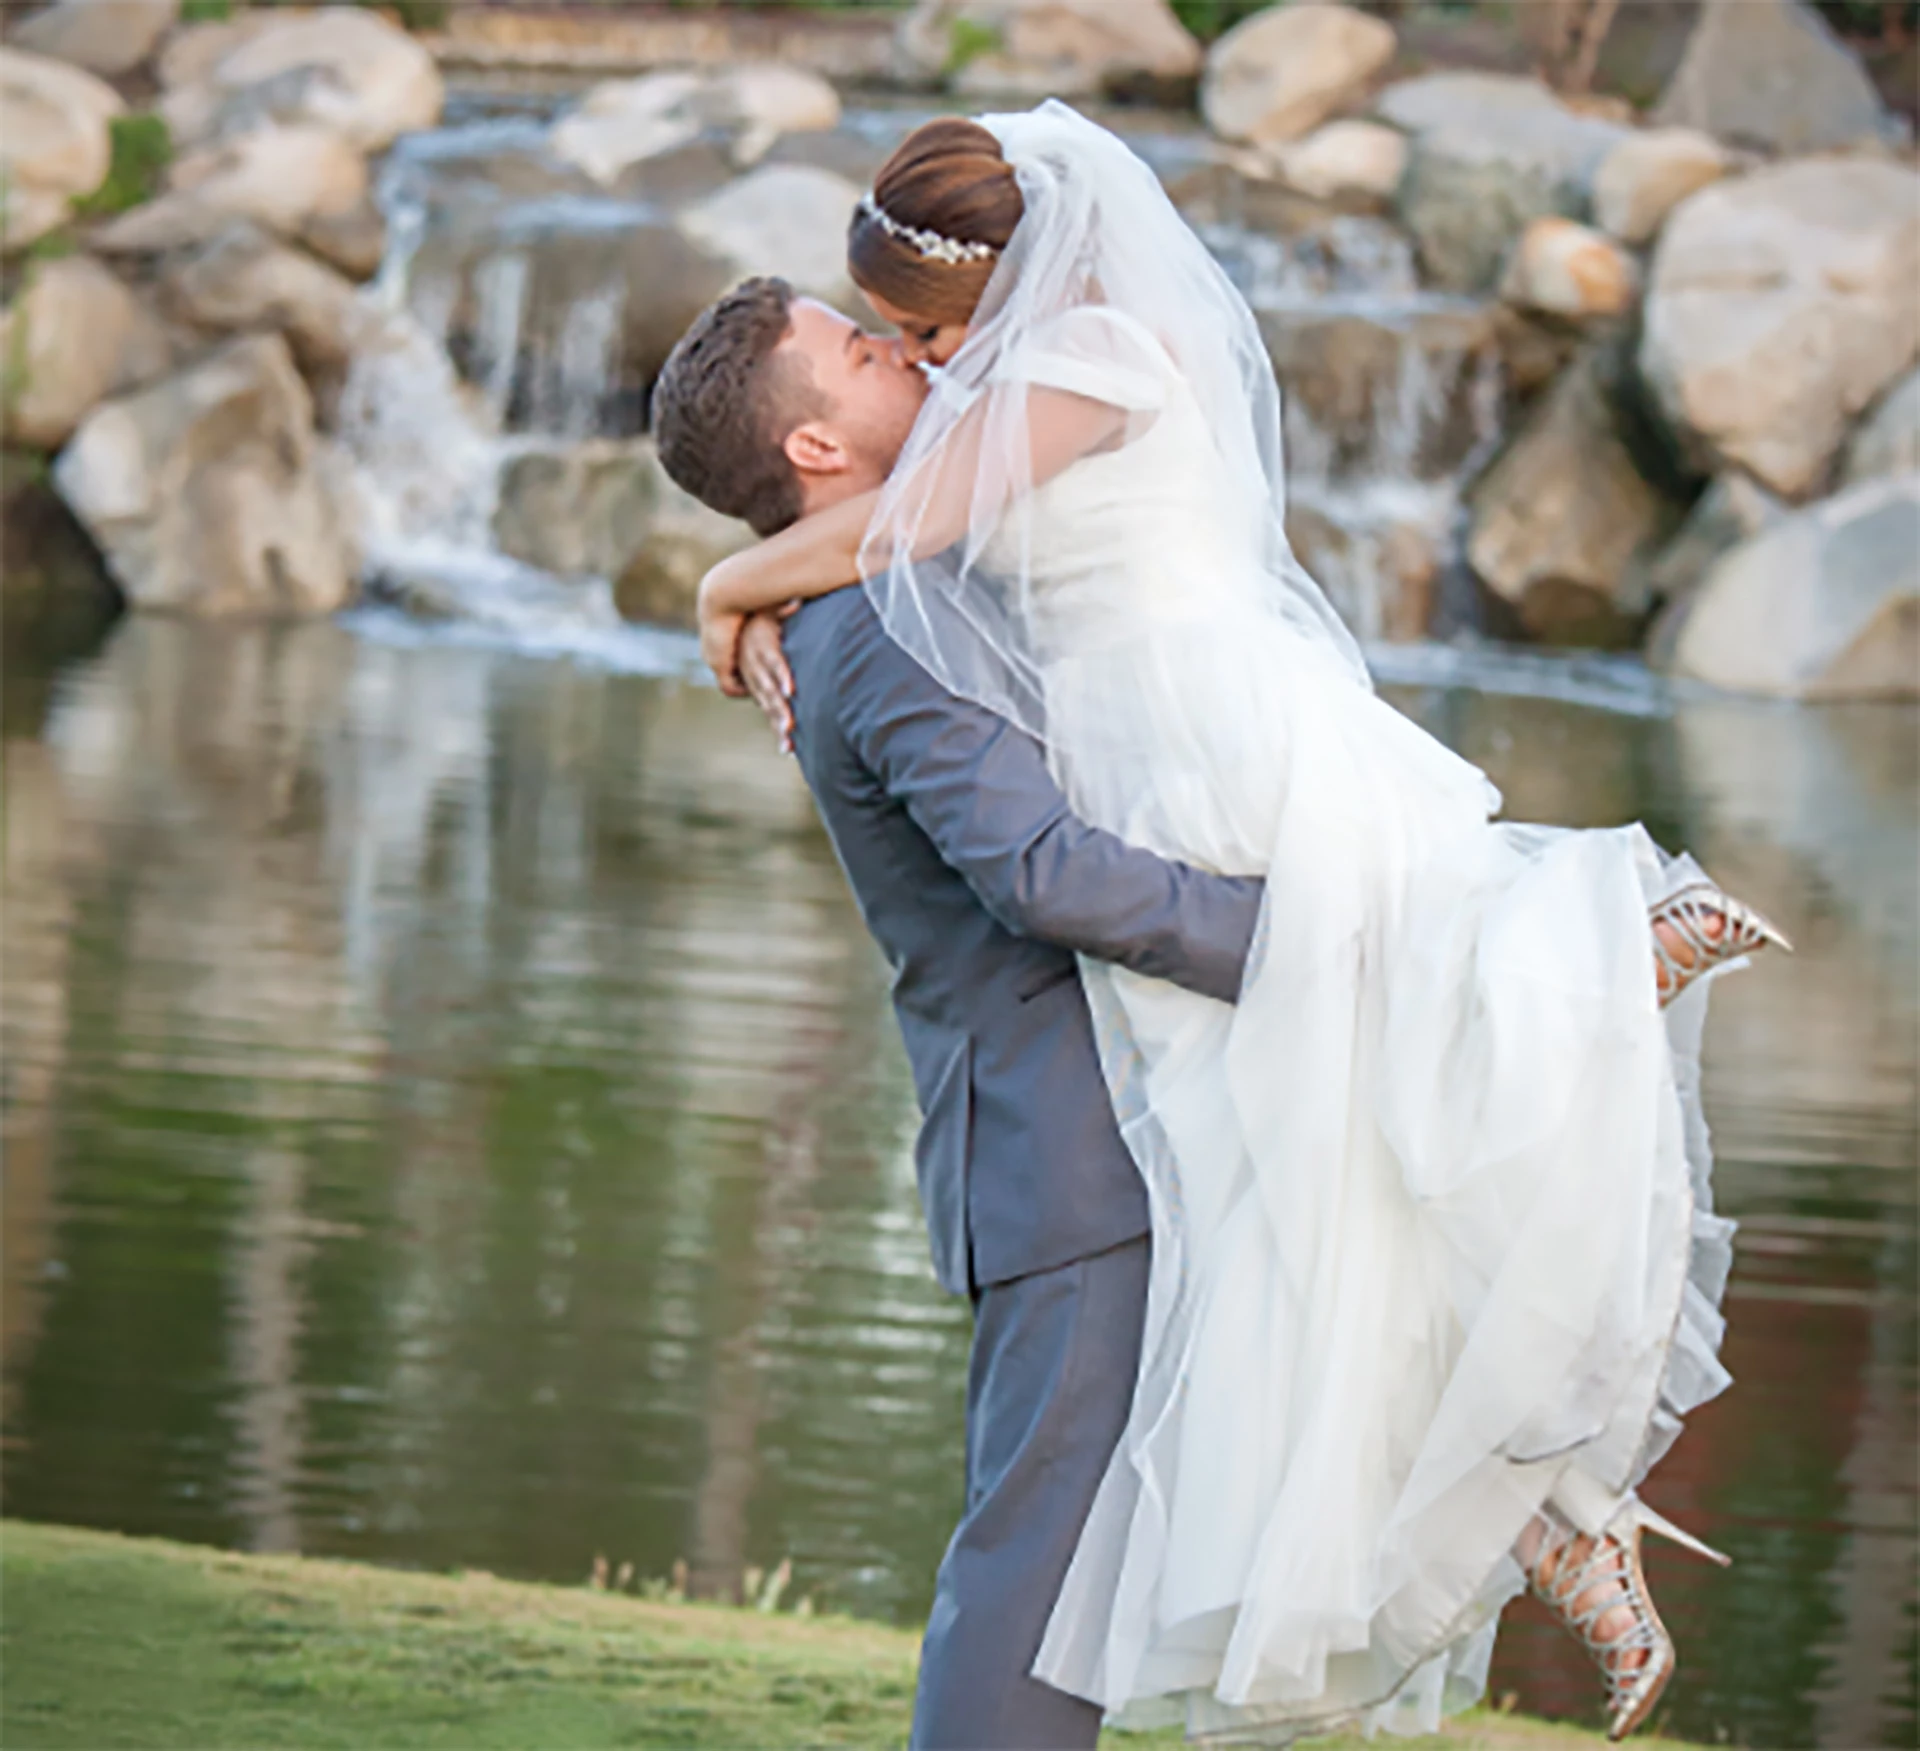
(1610, 1572)
(1687, 913)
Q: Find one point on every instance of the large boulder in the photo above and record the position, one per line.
(1772, 75)
(1045, 48)
(247, 279)
(108, 37)
(1647, 175)
(1346, 160)
(1561, 518)
(788, 219)
(280, 177)
(1733, 509)
(1564, 269)
(341, 67)
(206, 493)
(1490, 154)
(1824, 605)
(606, 508)
(1780, 305)
(1888, 441)
(627, 121)
(72, 336)
(1279, 74)
(54, 144)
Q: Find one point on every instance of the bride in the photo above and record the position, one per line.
(1435, 1272)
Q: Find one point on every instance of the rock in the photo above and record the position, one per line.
(580, 511)
(354, 241)
(628, 121)
(246, 279)
(341, 68)
(55, 145)
(205, 493)
(1733, 509)
(684, 541)
(1045, 48)
(1568, 270)
(1344, 160)
(605, 508)
(1779, 306)
(1562, 516)
(1770, 74)
(1647, 175)
(1825, 605)
(73, 336)
(108, 37)
(787, 219)
(1889, 440)
(172, 221)
(1490, 154)
(1279, 74)
(1534, 349)
(279, 177)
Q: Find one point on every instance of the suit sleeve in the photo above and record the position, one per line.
(980, 790)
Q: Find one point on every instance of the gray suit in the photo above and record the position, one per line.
(980, 885)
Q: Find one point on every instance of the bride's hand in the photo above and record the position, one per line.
(720, 641)
(763, 666)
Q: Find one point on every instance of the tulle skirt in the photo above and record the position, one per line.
(1432, 1233)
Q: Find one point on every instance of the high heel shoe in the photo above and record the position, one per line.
(1582, 1592)
(1687, 912)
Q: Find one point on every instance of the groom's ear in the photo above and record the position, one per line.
(814, 447)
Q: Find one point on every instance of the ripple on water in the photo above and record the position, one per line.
(453, 1117)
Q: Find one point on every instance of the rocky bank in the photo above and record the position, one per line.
(1645, 378)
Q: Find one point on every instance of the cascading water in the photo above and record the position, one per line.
(426, 443)
(1393, 401)
(521, 309)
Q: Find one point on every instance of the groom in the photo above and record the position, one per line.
(980, 886)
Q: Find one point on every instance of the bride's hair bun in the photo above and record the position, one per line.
(947, 182)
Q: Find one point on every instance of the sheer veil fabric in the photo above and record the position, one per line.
(1432, 1229)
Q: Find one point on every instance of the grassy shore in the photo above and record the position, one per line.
(133, 1642)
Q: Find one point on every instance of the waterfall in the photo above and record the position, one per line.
(520, 311)
(424, 442)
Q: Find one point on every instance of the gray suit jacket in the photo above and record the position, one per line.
(980, 885)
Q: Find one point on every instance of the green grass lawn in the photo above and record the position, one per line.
(113, 1641)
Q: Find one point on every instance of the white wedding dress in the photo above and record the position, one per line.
(1432, 1236)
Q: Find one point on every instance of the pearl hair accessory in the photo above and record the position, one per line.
(929, 244)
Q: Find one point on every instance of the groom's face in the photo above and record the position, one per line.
(867, 397)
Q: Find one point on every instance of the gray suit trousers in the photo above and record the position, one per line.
(1048, 1389)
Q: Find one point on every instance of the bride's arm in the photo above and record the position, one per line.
(821, 553)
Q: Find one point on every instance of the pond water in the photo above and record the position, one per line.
(454, 1119)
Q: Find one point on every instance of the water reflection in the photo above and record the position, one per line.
(452, 1118)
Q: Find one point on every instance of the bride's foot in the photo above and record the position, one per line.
(1699, 928)
(1598, 1590)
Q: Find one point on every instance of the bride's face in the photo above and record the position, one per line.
(921, 342)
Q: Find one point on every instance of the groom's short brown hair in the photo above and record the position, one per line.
(723, 407)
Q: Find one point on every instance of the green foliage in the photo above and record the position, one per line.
(419, 14)
(967, 40)
(414, 14)
(1208, 19)
(1871, 18)
(142, 150)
